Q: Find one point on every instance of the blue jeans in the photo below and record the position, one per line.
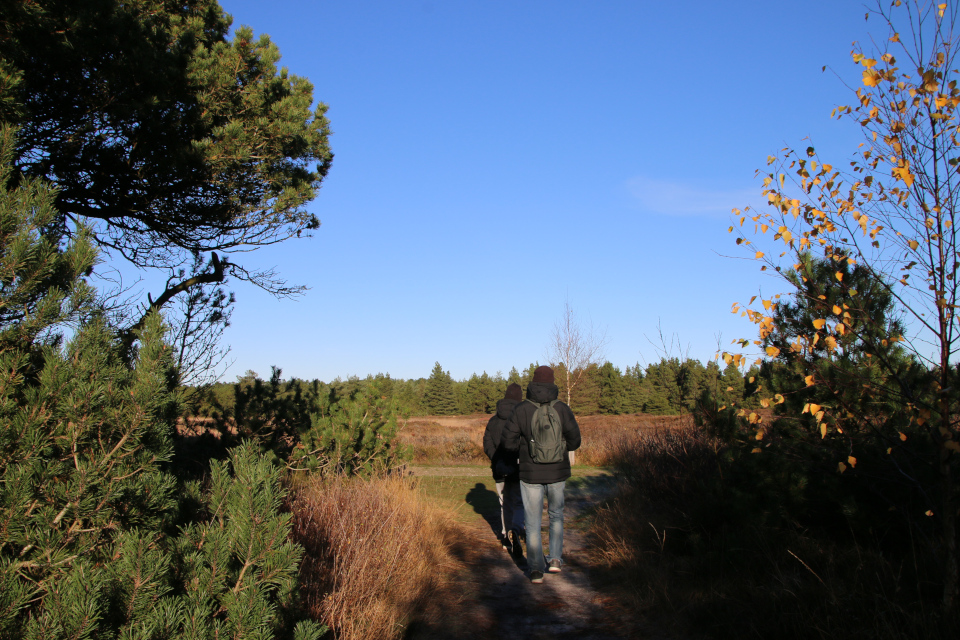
(532, 495)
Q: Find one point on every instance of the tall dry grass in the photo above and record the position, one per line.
(445, 439)
(602, 436)
(377, 555)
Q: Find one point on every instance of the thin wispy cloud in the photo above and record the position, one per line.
(675, 198)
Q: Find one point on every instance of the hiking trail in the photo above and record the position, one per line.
(499, 601)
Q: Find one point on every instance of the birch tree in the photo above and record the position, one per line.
(576, 347)
(889, 214)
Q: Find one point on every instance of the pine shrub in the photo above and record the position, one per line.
(98, 538)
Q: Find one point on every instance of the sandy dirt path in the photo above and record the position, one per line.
(499, 601)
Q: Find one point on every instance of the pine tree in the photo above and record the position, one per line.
(182, 144)
(633, 389)
(90, 513)
(734, 385)
(586, 394)
(352, 435)
(612, 389)
(438, 398)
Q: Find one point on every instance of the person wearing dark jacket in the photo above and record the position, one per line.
(539, 479)
(506, 472)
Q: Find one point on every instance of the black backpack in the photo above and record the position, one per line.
(546, 444)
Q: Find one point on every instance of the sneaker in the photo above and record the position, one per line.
(505, 544)
(554, 566)
(536, 577)
(516, 548)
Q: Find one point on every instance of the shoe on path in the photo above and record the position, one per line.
(505, 544)
(554, 566)
(536, 577)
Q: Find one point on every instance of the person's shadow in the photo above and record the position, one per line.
(485, 502)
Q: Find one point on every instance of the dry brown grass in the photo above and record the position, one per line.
(459, 439)
(445, 439)
(603, 436)
(377, 555)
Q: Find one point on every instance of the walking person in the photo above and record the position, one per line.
(543, 430)
(506, 472)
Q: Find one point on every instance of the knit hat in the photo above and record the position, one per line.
(514, 392)
(543, 374)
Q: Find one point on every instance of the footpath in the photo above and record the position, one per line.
(497, 599)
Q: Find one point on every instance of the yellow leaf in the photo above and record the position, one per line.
(837, 310)
(839, 276)
(759, 255)
(823, 430)
(778, 398)
(814, 407)
(831, 343)
(759, 435)
(841, 467)
(928, 513)
(818, 323)
(914, 244)
(756, 450)
(841, 328)
(851, 461)
(809, 380)
(773, 352)
(903, 436)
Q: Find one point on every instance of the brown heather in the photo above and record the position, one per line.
(459, 439)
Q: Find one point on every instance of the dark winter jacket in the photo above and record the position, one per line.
(503, 464)
(517, 435)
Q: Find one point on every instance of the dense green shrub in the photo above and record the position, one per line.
(98, 538)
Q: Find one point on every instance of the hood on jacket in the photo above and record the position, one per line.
(505, 407)
(542, 392)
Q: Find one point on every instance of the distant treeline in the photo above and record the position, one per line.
(669, 387)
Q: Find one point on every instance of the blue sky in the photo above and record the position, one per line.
(495, 159)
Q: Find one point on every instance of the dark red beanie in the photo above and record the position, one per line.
(543, 374)
(514, 392)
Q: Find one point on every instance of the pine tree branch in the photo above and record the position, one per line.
(129, 334)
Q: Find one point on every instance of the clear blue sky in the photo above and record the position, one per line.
(496, 158)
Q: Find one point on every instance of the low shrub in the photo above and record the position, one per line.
(686, 538)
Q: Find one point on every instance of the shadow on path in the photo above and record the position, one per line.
(485, 503)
